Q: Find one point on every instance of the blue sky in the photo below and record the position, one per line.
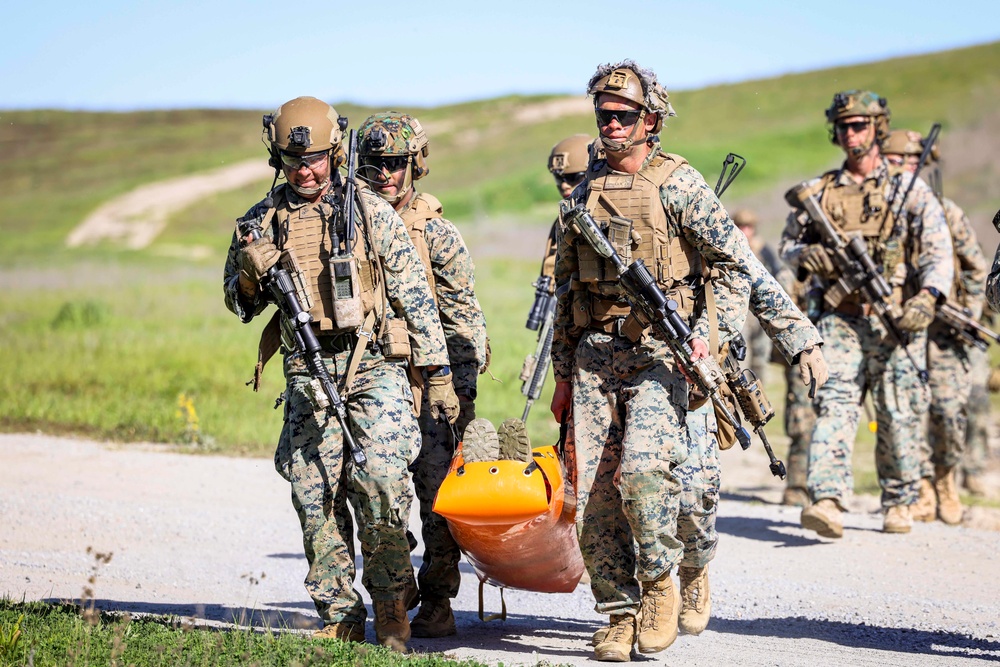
(118, 55)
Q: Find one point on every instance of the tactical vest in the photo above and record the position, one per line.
(304, 232)
(628, 207)
(862, 208)
(421, 210)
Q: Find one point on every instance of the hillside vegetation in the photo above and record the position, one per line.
(119, 340)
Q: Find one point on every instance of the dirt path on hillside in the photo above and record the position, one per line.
(216, 539)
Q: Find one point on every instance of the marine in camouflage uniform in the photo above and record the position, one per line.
(914, 254)
(948, 357)
(393, 155)
(298, 224)
(993, 280)
(628, 398)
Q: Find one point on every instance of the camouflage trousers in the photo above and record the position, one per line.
(700, 478)
(978, 412)
(439, 576)
(629, 408)
(800, 418)
(950, 383)
(310, 455)
(860, 354)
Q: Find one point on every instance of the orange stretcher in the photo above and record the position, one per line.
(514, 521)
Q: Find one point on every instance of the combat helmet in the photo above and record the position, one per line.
(630, 81)
(392, 134)
(849, 103)
(908, 142)
(571, 155)
(305, 125)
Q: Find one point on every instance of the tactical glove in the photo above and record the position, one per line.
(994, 382)
(918, 312)
(442, 397)
(816, 259)
(812, 369)
(255, 259)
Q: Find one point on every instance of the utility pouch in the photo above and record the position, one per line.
(347, 309)
(290, 263)
(620, 236)
(581, 308)
(395, 342)
(633, 327)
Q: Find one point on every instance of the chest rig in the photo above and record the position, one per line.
(304, 235)
(421, 210)
(630, 212)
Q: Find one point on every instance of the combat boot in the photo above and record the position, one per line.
(344, 631)
(796, 496)
(480, 442)
(392, 626)
(514, 443)
(949, 506)
(435, 619)
(661, 604)
(824, 517)
(616, 645)
(897, 519)
(696, 602)
(925, 509)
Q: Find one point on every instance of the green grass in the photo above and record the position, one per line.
(63, 635)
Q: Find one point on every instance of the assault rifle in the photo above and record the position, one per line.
(750, 396)
(321, 387)
(968, 330)
(928, 144)
(653, 308)
(857, 271)
(540, 319)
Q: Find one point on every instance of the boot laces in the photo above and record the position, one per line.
(691, 587)
(620, 631)
(430, 609)
(391, 610)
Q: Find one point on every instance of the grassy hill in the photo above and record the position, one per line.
(110, 342)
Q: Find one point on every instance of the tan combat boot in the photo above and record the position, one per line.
(435, 619)
(661, 604)
(796, 496)
(344, 631)
(897, 519)
(696, 602)
(513, 439)
(616, 645)
(824, 517)
(480, 442)
(392, 626)
(949, 506)
(925, 509)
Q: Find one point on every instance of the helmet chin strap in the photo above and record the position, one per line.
(616, 147)
(308, 192)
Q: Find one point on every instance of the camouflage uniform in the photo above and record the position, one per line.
(758, 344)
(310, 451)
(993, 280)
(861, 354)
(630, 401)
(948, 359)
(978, 411)
(465, 335)
(700, 475)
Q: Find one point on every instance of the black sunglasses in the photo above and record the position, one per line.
(624, 118)
(571, 178)
(857, 126)
(390, 163)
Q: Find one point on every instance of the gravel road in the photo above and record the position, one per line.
(216, 538)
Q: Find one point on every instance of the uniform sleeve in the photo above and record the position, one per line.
(549, 260)
(935, 263)
(693, 207)
(782, 321)
(406, 284)
(461, 315)
(971, 261)
(565, 335)
(242, 307)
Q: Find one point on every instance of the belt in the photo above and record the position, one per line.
(854, 309)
